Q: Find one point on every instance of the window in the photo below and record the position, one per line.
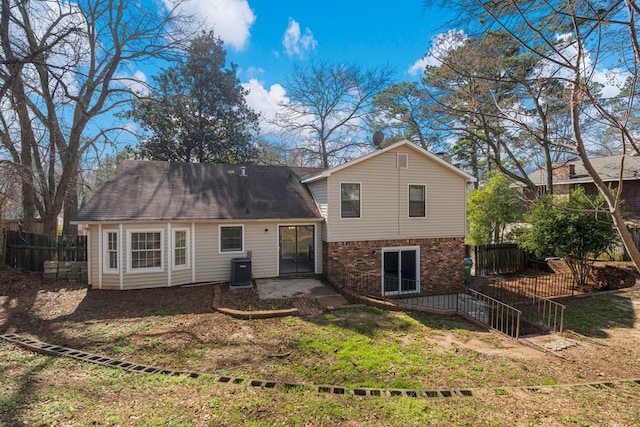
(111, 261)
(349, 200)
(231, 239)
(146, 250)
(180, 248)
(417, 205)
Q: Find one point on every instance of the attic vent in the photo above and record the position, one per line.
(402, 161)
(230, 172)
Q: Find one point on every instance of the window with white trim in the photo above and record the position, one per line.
(180, 248)
(350, 200)
(145, 250)
(231, 238)
(417, 201)
(111, 260)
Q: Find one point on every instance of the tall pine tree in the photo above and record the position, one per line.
(197, 111)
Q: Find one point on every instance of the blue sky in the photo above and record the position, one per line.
(265, 38)
(341, 30)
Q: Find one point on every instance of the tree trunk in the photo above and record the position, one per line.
(26, 162)
(50, 225)
(548, 166)
(28, 207)
(324, 156)
(70, 208)
(614, 208)
(475, 169)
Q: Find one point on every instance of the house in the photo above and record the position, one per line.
(571, 174)
(398, 211)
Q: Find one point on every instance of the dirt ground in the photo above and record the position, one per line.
(65, 314)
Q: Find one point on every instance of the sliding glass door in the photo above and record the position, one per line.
(296, 249)
(401, 270)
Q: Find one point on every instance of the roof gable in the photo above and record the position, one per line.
(170, 191)
(437, 159)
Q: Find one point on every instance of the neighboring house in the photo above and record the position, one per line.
(399, 211)
(571, 174)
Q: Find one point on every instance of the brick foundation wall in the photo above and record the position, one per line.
(441, 262)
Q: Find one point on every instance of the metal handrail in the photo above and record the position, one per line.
(493, 313)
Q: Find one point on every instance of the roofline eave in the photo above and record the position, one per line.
(195, 220)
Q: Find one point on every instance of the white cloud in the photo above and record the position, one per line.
(611, 80)
(136, 83)
(418, 67)
(295, 43)
(253, 72)
(269, 103)
(131, 127)
(230, 19)
(440, 45)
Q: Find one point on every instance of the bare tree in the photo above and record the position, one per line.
(65, 64)
(400, 108)
(328, 107)
(486, 93)
(8, 193)
(577, 41)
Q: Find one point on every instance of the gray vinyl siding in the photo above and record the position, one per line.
(206, 253)
(94, 251)
(384, 200)
(264, 247)
(211, 265)
(181, 277)
(261, 237)
(109, 280)
(319, 191)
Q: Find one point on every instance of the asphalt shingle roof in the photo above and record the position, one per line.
(170, 191)
(607, 167)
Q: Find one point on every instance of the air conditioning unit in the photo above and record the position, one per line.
(240, 273)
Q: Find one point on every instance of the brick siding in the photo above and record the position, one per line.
(441, 262)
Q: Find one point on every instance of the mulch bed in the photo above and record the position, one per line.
(249, 300)
(515, 288)
(22, 294)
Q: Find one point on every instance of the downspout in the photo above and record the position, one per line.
(100, 256)
(169, 244)
(89, 279)
(123, 246)
(192, 258)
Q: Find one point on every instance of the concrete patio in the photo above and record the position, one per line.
(301, 287)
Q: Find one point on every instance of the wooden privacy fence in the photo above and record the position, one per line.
(29, 251)
(499, 258)
(619, 252)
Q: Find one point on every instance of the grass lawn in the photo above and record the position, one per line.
(510, 383)
(41, 391)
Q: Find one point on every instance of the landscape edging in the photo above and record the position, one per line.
(216, 304)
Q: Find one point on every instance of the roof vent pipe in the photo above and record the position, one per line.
(243, 171)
